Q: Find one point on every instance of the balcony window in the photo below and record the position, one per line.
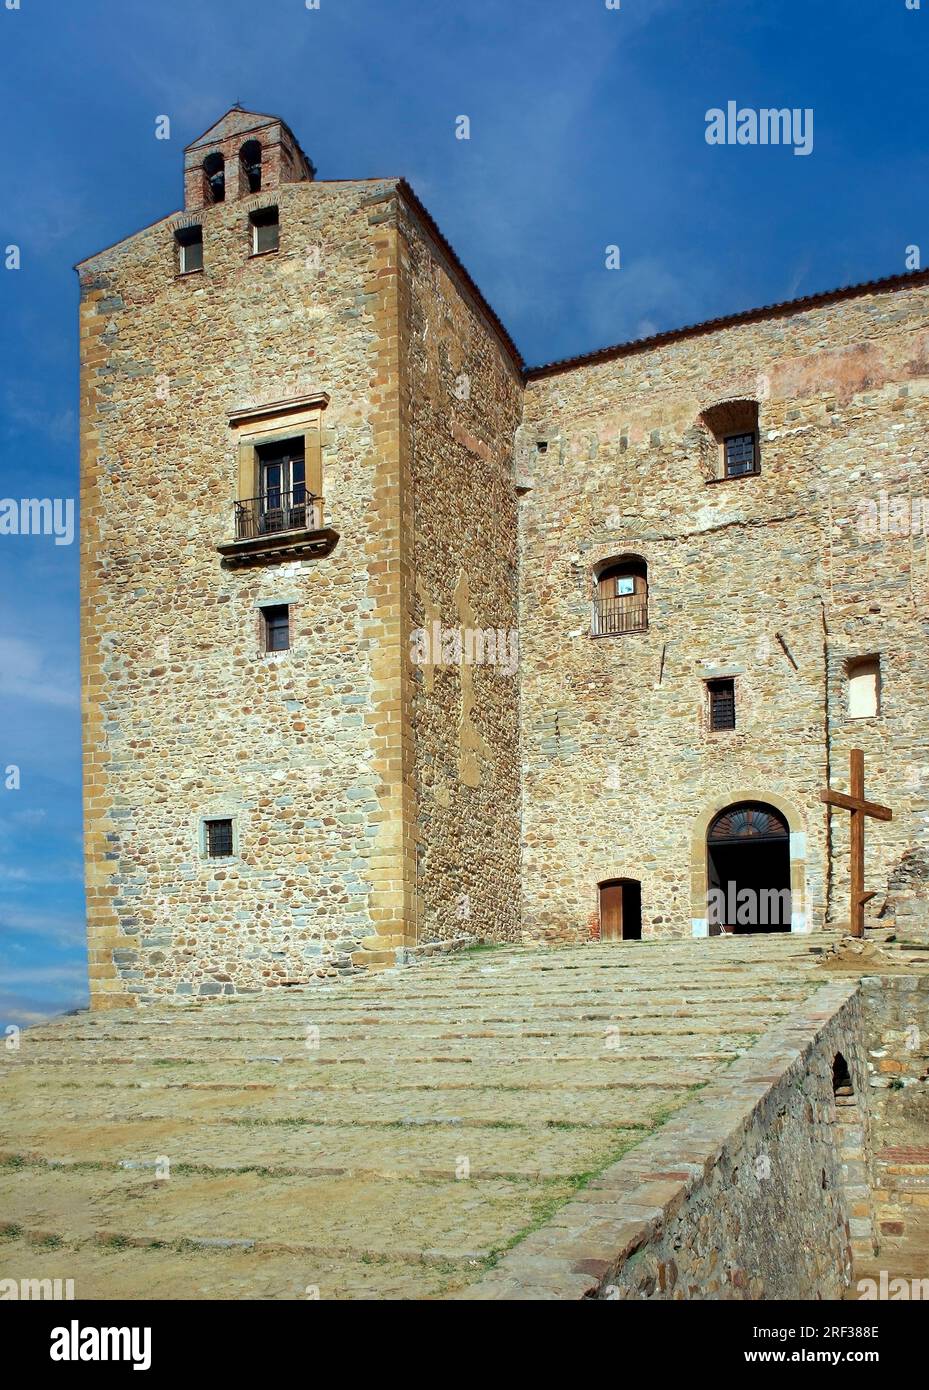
(621, 597)
(282, 486)
(278, 509)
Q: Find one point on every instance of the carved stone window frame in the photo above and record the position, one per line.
(274, 424)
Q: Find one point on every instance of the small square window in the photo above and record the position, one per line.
(189, 249)
(218, 836)
(722, 704)
(739, 455)
(275, 622)
(266, 230)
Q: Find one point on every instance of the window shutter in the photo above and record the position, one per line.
(314, 462)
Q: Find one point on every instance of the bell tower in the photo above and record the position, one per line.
(243, 153)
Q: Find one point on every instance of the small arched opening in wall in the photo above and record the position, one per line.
(842, 1086)
(730, 445)
(250, 159)
(851, 1161)
(620, 596)
(214, 178)
(711, 900)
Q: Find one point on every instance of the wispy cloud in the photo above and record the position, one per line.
(26, 673)
(32, 994)
(23, 412)
(60, 928)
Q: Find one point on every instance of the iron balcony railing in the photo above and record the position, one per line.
(615, 615)
(277, 511)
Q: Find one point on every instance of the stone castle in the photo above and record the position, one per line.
(388, 638)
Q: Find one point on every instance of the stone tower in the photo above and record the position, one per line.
(297, 424)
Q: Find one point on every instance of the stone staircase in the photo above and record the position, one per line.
(386, 1137)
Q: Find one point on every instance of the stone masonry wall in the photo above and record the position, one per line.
(743, 1194)
(772, 1219)
(896, 1024)
(771, 579)
(185, 715)
(462, 399)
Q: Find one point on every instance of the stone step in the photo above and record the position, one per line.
(619, 1106)
(213, 1272)
(322, 1150)
(447, 1218)
(342, 1160)
(588, 1017)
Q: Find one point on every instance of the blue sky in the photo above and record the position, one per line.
(587, 130)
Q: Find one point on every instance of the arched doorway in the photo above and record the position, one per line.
(748, 870)
(620, 909)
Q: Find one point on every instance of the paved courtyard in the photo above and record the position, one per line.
(389, 1137)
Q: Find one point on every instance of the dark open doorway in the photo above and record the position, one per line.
(748, 870)
(621, 910)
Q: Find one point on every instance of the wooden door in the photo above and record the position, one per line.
(623, 602)
(611, 912)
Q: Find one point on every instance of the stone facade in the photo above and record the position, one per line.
(770, 579)
(385, 787)
(186, 716)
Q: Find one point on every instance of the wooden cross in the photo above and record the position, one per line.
(859, 808)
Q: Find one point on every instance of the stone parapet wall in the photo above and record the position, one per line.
(741, 1195)
(896, 1023)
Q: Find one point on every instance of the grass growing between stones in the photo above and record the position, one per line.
(341, 1169)
(550, 1203)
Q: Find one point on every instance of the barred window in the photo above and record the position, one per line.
(218, 838)
(722, 704)
(740, 454)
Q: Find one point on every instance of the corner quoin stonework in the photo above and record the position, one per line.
(378, 804)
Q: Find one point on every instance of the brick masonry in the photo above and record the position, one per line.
(896, 1024)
